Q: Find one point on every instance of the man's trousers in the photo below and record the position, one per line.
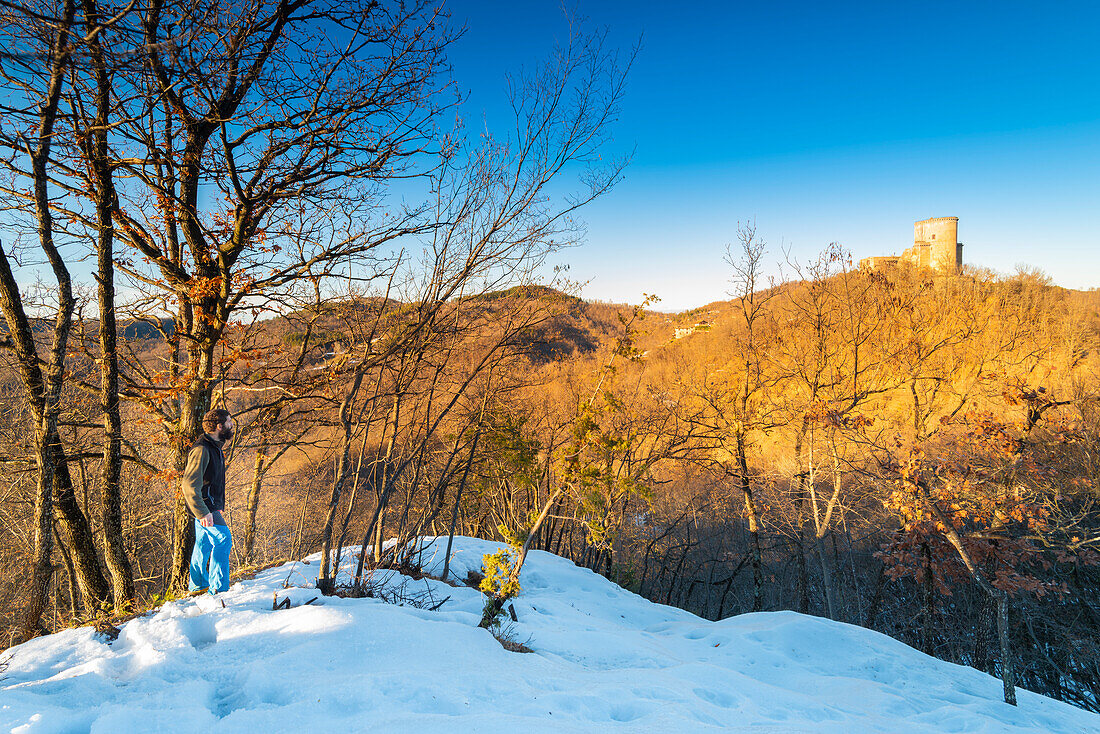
(210, 558)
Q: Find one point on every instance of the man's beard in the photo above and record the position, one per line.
(224, 434)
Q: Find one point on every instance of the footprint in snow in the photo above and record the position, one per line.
(201, 631)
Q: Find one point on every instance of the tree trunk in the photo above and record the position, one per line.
(725, 593)
(42, 573)
(841, 608)
(325, 578)
(44, 391)
(802, 591)
(374, 529)
(986, 617)
(458, 501)
(929, 597)
(183, 541)
(55, 487)
(118, 563)
(77, 535)
(754, 525)
(826, 577)
(855, 612)
(253, 503)
(70, 575)
(822, 524)
(1008, 668)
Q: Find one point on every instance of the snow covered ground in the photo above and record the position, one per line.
(604, 660)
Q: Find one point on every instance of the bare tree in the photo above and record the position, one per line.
(100, 178)
(737, 394)
(494, 221)
(31, 114)
(227, 108)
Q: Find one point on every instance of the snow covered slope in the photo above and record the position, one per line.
(605, 660)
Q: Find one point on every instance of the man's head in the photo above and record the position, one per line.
(218, 423)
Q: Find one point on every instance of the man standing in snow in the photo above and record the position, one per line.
(203, 489)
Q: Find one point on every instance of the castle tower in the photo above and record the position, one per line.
(937, 242)
(935, 245)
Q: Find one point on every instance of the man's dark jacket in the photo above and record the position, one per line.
(203, 484)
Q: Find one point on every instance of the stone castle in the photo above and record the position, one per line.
(935, 245)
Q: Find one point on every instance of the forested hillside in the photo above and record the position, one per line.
(898, 451)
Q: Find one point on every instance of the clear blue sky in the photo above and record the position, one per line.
(826, 122)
